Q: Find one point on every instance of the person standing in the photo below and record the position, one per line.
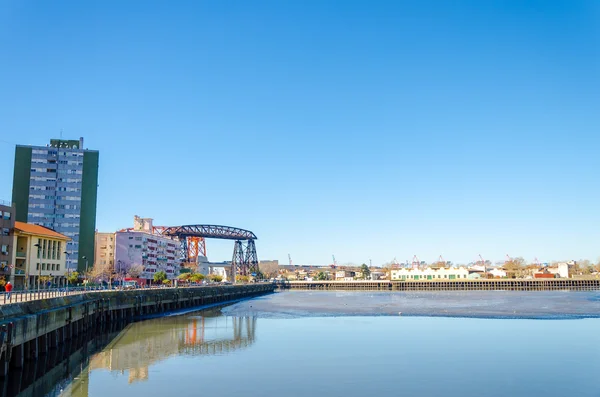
(8, 288)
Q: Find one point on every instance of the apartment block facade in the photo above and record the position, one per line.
(105, 251)
(154, 253)
(7, 224)
(55, 186)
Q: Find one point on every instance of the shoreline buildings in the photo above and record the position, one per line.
(140, 246)
(39, 252)
(55, 186)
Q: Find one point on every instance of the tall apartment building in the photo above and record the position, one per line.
(105, 251)
(56, 186)
(7, 224)
(139, 246)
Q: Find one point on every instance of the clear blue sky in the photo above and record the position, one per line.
(364, 129)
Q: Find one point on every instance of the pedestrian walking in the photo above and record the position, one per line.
(8, 288)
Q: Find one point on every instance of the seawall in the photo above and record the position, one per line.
(454, 285)
(30, 329)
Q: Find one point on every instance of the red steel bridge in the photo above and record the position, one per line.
(193, 243)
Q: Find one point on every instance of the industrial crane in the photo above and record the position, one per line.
(334, 262)
(290, 259)
(442, 261)
(415, 262)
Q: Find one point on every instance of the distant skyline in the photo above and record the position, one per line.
(366, 130)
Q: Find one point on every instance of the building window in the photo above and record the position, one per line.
(53, 266)
(6, 215)
(58, 266)
(44, 249)
(5, 231)
(4, 265)
(59, 250)
(4, 250)
(53, 249)
(43, 266)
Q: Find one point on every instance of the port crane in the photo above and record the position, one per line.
(334, 262)
(415, 262)
(290, 259)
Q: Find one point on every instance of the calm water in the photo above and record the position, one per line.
(276, 346)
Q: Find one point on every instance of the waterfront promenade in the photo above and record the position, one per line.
(453, 285)
(39, 324)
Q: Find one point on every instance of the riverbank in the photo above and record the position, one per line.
(447, 285)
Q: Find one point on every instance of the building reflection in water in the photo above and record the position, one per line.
(142, 344)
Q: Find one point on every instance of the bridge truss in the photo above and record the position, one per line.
(193, 243)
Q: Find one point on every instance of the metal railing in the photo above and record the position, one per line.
(31, 295)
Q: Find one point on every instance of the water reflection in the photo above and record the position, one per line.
(51, 372)
(140, 345)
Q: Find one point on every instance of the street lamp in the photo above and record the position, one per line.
(39, 265)
(120, 271)
(67, 266)
(86, 271)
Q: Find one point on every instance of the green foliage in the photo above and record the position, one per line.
(73, 278)
(184, 276)
(159, 277)
(196, 277)
(216, 278)
(166, 282)
(364, 269)
(321, 276)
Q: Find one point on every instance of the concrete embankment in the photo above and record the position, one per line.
(463, 285)
(30, 329)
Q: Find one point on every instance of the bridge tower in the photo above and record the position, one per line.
(251, 260)
(238, 265)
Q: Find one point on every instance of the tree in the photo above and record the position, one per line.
(44, 280)
(364, 269)
(159, 277)
(242, 279)
(99, 273)
(184, 276)
(73, 278)
(216, 278)
(2, 281)
(321, 276)
(135, 270)
(166, 282)
(196, 277)
(514, 267)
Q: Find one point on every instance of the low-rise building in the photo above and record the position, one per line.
(429, 273)
(345, 275)
(39, 252)
(497, 272)
(7, 224)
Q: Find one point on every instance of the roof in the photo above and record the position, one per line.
(38, 230)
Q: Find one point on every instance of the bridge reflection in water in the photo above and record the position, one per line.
(142, 344)
(130, 352)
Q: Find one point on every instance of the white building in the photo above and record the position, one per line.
(154, 253)
(561, 270)
(344, 275)
(498, 272)
(429, 273)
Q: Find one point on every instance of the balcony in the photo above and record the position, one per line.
(21, 254)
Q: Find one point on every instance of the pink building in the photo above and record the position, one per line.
(154, 253)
